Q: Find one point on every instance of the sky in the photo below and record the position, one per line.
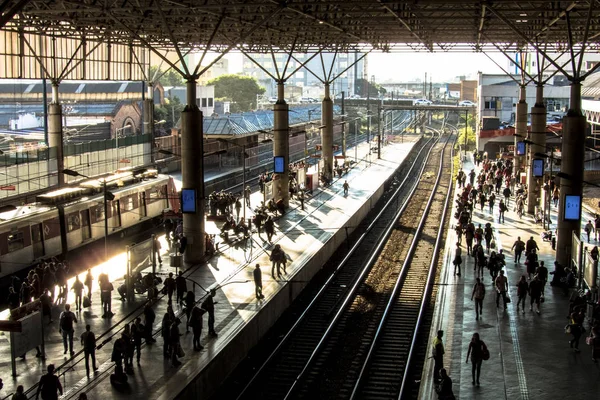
(395, 67)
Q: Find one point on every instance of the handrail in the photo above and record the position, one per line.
(326, 284)
(400, 281)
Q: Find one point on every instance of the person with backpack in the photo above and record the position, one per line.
(88, 341)
(66, 320)
(478, 352)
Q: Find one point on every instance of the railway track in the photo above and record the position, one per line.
(318, 357)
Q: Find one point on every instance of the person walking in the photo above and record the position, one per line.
(518, 247)
(531, 263)
(181, 286)
(542, 273)
(88, 341)
(196, 324)
(49, 384)
(596, 226)
(577, 329)
(247, 193)
(257, 273)
(277, 258)
(66, 320)
(269, 228)
(506, 192)
(169, 287)
(149, 318)
(89, 280)
(476, 351)
(156, 250)
(137, 334)
(78, 290)
(589, 229)
(165, 332)
(106, 289)
(176, 350)
(502, 208)
(535, 294)
(457, 259)
(522, 289)
(437, 353)
(346, 187)
(501, 284)
(479, 294)
(531, 245)
(594, 341)
(209, 305)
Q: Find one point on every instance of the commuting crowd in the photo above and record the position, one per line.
(495, 188)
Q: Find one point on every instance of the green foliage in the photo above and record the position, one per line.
(170, 78)
(240, 90)
(363, 87)
(470, 133)
(170, 112)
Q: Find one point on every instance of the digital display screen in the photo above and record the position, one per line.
(188, 201)
(520, 148)
(279, 164)
(538, 167)
(572, 207)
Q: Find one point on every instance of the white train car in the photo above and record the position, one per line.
(70, 217)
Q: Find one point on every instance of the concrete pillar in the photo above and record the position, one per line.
(520, 128)
(327, 134)
(55, 132)
(281, 145)
(343, 126)
(148, 123)
(572, 164)
(192, 175)
(538, 137)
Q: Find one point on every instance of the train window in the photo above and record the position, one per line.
(127, 203)
(15, 241)
(73, 222)
(99, 213)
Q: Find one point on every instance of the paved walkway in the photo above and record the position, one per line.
(300, 233)
(530, 353)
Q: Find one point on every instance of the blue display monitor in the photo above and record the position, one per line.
(188, 201)
(538, 167)
(521, 148)
(279, 164)
(572, 211)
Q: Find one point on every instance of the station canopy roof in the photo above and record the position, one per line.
(312, 25)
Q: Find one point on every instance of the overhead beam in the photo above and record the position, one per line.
(8, 15)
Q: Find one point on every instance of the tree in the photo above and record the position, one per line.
(240, 90)
(170, 112)
(363, 87)
(170, 78)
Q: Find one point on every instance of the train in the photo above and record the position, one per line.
(73, 216)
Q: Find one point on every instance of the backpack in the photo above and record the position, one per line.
(485, 353)
(66, 321)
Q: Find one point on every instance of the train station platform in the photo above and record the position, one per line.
(530, 356)
(308, 236)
